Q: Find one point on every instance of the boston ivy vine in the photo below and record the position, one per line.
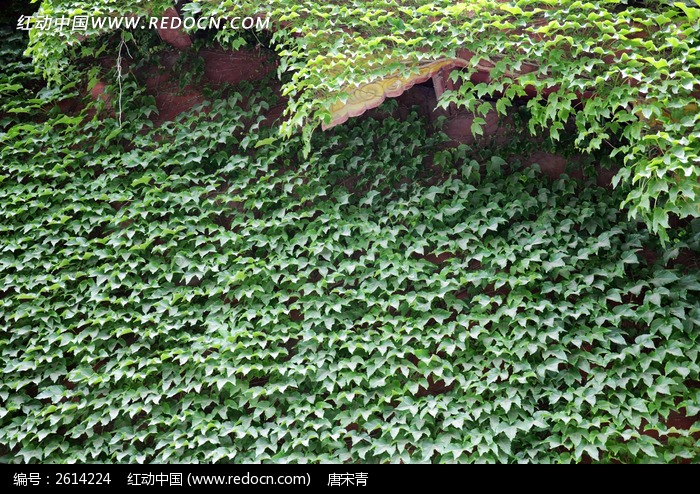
(625, 72)
(203, 292)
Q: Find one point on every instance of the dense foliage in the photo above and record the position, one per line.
(637, 63)
(202, 292)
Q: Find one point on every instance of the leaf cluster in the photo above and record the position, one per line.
(202, 292)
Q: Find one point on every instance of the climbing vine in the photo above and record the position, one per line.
(203, 291)
(624, 72)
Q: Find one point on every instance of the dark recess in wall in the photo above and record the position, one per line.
(10, 10)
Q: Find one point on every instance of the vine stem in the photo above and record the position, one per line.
(120, 75)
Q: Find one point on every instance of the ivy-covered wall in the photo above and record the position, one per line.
(205, 290)
(202, 292)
